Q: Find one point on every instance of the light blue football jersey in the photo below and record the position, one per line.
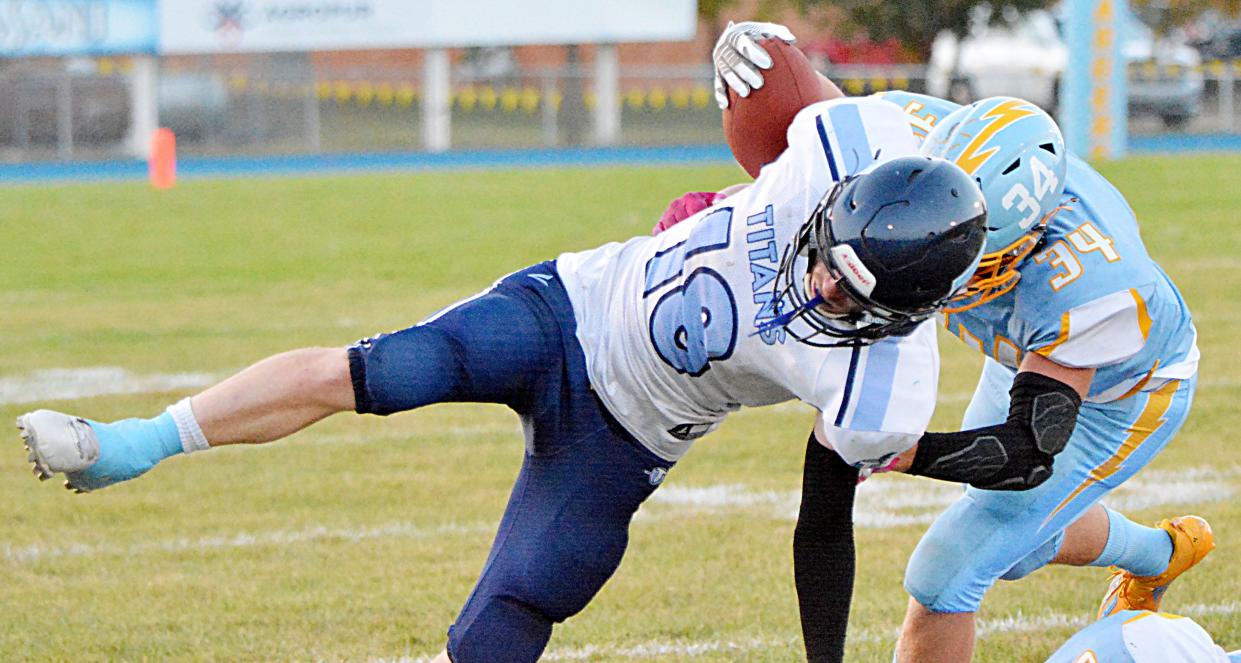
(1133, 636)
(1090, 296)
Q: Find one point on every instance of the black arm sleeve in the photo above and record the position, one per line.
(823, 555)
(1015, 455)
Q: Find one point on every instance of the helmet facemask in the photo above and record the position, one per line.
(997, 273)
(800, 309)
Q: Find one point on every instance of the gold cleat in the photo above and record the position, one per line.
(1192, 540)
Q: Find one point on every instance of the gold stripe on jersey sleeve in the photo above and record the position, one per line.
(1064, 336)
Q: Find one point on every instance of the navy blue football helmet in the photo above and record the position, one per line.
(900, 239)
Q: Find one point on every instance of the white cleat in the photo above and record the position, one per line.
(57, 442)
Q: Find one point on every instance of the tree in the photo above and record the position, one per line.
(916, 23)
(710, 10)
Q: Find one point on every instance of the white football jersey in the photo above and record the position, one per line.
(669, 323)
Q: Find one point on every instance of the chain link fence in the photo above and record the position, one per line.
(286, 104)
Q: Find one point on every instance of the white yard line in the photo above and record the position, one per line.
(30, 554)
(661, 649)
(1022, 623)
(884, 502)
(57, 384)
(1206, 609)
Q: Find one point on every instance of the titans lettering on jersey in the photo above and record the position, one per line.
(668, 323)
(1090, 297)
(764, 256)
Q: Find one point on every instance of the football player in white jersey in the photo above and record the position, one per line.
(815, 283)
(1083, 334)
(1142, 636)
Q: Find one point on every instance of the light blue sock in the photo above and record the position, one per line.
(1140, 550)
(128, 448)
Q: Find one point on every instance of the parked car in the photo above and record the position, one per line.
(1165, 76)
(1225, 44)
(1026, 56)
(194, 105)
(29, 109)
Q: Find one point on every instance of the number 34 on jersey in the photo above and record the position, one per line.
(1065, 254)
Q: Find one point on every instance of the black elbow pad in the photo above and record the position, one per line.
(1047, 406)
(1015, 455)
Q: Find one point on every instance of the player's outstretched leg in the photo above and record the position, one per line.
(1192, 540)
(269, 400)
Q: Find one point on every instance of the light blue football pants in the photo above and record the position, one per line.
(987, 535)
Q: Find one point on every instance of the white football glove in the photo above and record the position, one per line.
(738, 59)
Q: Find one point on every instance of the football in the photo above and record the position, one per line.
(756, 126)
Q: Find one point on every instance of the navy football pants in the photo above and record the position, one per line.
(566, 525)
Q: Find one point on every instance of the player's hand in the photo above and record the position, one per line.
(893, 465)
(739, 60)
(684, 207)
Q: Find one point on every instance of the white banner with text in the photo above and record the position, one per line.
(236, 26)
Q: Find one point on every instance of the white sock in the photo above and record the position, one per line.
(192, 438)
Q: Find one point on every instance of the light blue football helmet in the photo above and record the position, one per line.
(1015, 152)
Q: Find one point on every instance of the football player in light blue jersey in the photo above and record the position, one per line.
(1068, 290)
(1066, 298)
(816, 283)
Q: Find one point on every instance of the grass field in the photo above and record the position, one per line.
(358, 539)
